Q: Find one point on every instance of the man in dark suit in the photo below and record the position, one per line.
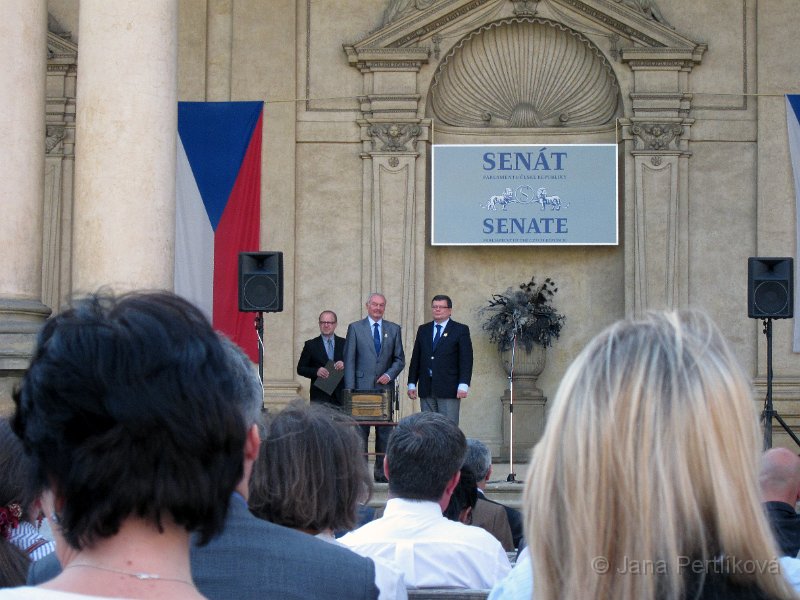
(256, 559)
(373, 358)
(315, 356)
(441, 364)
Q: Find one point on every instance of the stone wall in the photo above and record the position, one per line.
(704, 167)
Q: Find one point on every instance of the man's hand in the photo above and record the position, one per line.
(338, 365)
(323, 373)
(412, 394)
(384, 379)
(461, 394)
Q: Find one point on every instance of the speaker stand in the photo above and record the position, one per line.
(259, 324)
(769, 411)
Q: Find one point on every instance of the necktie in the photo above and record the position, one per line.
(376, 337)
(437, 336)
(329, 348)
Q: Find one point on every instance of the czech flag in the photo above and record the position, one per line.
(218, 209)
(793, 125)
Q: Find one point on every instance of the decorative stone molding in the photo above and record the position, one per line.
(55, 134)
(395, 136)
(525, 8)
(648, 8)
(392, 59)
(656, 136)
(550, 76)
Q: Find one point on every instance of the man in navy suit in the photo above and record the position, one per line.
(373, 358)
(315, 356)
(441, 364)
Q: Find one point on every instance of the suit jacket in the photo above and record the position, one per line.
(514, 520)
(253, 558)
(437, 373)
(315, 356)
(362, 366)
(785, 524)
(256, 559)
(492, 517)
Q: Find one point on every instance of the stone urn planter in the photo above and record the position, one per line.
(528, 366)
(529, 403)
(524, 317)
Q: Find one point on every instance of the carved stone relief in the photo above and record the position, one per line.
(395, 137)
(656, 136)
(524, 72)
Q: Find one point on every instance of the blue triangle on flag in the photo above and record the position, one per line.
(215, 136)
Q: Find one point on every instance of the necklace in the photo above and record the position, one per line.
(140, 575)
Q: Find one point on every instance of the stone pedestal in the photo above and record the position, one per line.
(528, 404)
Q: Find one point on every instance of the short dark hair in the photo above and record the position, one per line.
(464, 496)
(310, 473)
(478, 458)
(424, 451)
(14, 564)
(335, 318)
(441, 297)
(126, 411)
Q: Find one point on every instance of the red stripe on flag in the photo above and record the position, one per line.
(238, 231)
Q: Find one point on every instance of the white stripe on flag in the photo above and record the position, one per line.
(194, 240)
(794, 153)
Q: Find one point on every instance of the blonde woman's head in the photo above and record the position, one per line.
(648, 463)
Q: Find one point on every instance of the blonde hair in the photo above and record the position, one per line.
(649, 460)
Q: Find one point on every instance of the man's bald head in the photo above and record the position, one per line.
(779, 477)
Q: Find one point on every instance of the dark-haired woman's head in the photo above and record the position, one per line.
(127, 411)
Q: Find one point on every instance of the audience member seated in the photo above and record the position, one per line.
(492, 516)
(20, 507)
(311, 476)
(423, 462)
(124, 412)
(462, 502)
(253, 559)
(779, 481)
(644, 484)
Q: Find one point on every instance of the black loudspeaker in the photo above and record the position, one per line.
(261, 281)
(770, 288)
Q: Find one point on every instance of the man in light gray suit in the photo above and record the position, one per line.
(373, 358)
(253, 558)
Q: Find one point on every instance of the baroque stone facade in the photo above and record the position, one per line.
(355, 99)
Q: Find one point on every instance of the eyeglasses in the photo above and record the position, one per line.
(327, 322)
(440, 307)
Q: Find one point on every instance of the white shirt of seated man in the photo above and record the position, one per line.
(429, 549)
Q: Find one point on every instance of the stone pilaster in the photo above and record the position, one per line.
(394, 153)
(656, 171)
(125, 145)
(62, 63)
(22, 108)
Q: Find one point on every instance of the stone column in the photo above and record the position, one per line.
(219, 51)
(126, 129)
(23, 46)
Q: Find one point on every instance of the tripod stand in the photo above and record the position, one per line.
(769, 411)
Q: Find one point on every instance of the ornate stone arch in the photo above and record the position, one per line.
(524, 72)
